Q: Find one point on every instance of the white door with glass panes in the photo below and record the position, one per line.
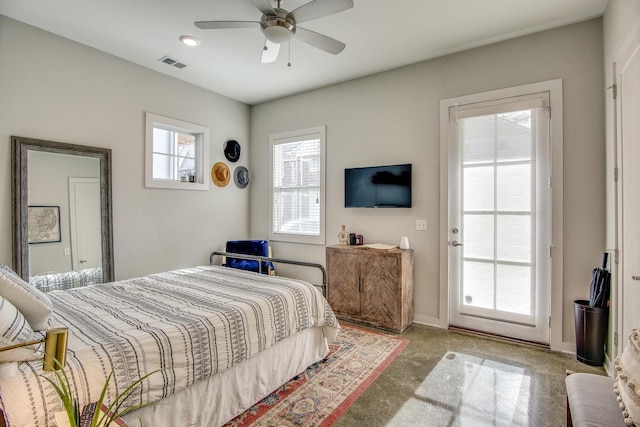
(499, 217)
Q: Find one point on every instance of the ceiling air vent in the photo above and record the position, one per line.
(170, 61)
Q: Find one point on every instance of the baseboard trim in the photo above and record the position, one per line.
(499, 337)
(427, 321)
(566, 347)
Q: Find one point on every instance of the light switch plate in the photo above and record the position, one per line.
(421, 224)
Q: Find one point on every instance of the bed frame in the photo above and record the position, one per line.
(259, 258)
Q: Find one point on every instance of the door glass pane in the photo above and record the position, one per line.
(514, 289)
(513, 239)
(478, 139)
(514, 136)
(478, 290)
(514, 187)
(478, 188)
(478, 236)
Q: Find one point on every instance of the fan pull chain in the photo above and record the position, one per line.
(289, 63)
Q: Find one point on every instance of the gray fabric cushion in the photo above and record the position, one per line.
(592, 401)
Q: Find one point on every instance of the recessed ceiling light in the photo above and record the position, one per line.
(190, 41)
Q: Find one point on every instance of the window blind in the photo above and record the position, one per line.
(296, 186)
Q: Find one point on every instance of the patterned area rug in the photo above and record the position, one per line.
(321, 394)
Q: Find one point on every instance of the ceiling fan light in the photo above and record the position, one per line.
(278, 34)
(278, 28)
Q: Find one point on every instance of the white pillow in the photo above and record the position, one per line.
(15, 329)
(627, 385)
(33, 304)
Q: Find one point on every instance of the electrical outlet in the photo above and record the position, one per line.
(67, 252)
(421, 224)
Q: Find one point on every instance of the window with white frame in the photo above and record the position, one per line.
(177, 154)
(297, 186)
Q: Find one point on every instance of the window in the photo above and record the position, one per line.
(177, 154)
(297, 186)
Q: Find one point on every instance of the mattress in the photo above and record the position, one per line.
(185, 326)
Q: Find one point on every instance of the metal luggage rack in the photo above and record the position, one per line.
(260, 259)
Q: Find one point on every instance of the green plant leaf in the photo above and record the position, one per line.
(95, 421)
(64, 392)
(114, 407)
(63, 389)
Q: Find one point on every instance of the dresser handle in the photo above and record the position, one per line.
(635, 277)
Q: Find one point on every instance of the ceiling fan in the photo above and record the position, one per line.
(279, 25)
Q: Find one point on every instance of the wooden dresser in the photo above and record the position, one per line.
(371, 286)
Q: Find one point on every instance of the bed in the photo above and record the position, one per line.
(220, 340)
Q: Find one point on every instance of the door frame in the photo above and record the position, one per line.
(617, 327)
(554, 88)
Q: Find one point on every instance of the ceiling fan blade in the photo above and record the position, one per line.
(217, 25)
(264, 6)
(319, 8)
(270, 52)
(320, 41)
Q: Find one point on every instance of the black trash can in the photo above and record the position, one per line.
(591, 332)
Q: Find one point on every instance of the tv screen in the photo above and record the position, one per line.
(378, 187)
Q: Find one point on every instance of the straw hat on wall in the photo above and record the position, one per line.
(220, 174)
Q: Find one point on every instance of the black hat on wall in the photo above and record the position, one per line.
(232, 150)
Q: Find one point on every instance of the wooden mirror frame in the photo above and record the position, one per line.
(20, 147)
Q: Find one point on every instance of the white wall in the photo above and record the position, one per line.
(56, 89)
(393, 117)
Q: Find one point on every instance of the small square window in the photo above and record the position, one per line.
(177, 154)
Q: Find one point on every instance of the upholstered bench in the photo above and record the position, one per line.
(592, 402)
(596, 400)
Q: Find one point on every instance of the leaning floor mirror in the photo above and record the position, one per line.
(62, 215)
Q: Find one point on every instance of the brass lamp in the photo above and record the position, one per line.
(55, 348)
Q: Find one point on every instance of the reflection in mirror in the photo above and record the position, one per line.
(62, 212)
(71, 185)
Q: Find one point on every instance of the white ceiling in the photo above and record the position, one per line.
(379, 34)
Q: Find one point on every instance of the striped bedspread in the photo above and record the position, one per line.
(188, 324)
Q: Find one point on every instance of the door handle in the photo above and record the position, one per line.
(455, 243)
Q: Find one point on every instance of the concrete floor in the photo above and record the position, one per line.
(447, 378)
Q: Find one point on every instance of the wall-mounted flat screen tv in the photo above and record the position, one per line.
(378, 187)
